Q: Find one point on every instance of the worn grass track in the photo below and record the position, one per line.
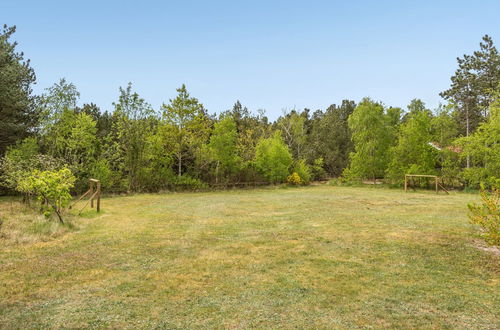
(314, 257)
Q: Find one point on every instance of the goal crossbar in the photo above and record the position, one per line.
(435, 177)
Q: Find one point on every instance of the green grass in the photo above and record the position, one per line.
(313, 257)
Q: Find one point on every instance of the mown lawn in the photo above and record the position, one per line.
(313, 257)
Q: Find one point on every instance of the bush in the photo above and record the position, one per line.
(18, 162)
(103, 173)
(51, 189)
(294, 179)
(450, 168)
(317, 169)
(13, 170)
(487, 215)
(339, 182)
(185, 182)
(303, 171)
(477, 177)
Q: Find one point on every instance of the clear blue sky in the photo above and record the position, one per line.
(268, 54)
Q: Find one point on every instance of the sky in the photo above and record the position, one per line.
(271, 55)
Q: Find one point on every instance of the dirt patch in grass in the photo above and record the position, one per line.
(480, 245)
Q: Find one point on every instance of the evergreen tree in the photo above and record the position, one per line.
(330, 137)
(472, 85)
(18, 111)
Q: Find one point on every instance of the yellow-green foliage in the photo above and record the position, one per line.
(303, 170)
(487, 215)
(483, 149)
(273, 158)
(51, 189)
(294, 179)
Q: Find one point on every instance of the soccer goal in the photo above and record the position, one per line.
(435, 178)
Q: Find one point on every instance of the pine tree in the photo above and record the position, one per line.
(18, 111)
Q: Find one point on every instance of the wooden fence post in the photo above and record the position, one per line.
(91, 193)
(98, 196)
(406, 183)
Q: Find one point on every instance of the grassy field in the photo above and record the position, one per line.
(313, 257)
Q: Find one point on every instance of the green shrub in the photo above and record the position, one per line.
(487, 215)
(185, 182)
(51, 189)
(317, 169)
(102, 172)
(338, 182)
(477, 177)
(303, 170)
(21, 159)
(294, 179)
(450, 168)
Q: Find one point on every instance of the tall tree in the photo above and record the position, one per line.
(372, 137)
(483, 149)
(188, 123)
(472, 85)
(412, 152)
(133, 125)
(273, 158)
(102, 119)
(18, 108)
(444, 127)
(223, 146)
(294, 131)
(240, 114)
(251, 128)
(330, 137)
(73, 139)
(60, 96)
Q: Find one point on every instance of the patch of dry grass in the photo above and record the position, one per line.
(21, 224)
(312, 257)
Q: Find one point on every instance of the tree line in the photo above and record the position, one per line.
(134, 147)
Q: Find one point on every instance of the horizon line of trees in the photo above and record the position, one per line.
(137, 148)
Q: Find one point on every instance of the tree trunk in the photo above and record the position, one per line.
(217, 173)
(54, 207)
(179, 164)
(467, 128)
(58, 214)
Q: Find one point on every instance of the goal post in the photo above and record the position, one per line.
(435, 177)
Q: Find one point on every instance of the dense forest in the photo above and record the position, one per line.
(133, 147)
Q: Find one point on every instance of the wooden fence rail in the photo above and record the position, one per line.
(95, 194)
